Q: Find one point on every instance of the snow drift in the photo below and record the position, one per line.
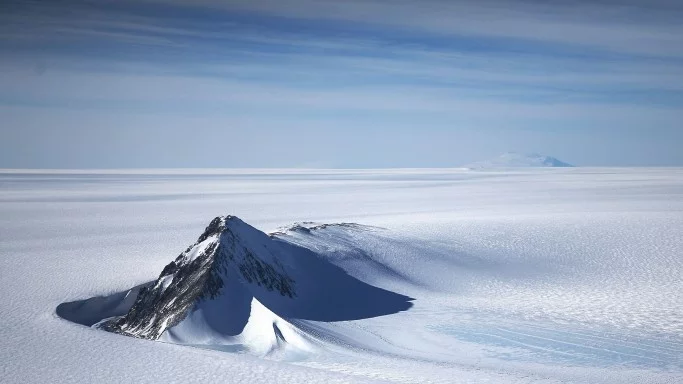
(236, 286)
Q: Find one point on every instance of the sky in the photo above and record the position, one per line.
(340, 84)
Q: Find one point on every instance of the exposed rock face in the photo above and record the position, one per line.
(199, 273)
(236, 286)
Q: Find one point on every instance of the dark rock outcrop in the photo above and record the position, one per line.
(198, 274)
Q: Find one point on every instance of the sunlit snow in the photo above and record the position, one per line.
(518, 276)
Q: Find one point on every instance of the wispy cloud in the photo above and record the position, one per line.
(619, 26)
(483, 64)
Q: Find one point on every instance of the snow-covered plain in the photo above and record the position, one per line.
(522, 276)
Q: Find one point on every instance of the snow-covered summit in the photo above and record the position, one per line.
(519, 160)
(229, 250)
(239, 286)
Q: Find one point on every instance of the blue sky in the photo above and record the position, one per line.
(359, 83)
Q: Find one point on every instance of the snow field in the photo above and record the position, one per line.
(543, 276)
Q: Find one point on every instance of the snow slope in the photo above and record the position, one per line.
(553, 276)
(519, 160)
(233, 287)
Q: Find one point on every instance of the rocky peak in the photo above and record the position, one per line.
(227, 249)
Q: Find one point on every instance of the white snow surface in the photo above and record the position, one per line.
(567, 275)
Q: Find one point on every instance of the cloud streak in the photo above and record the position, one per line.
(482, 65)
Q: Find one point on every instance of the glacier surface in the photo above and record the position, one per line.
(567, 275)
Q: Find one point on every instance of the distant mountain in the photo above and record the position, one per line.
(519, 160)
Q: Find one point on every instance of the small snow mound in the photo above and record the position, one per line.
(238, 321)
(308, 226)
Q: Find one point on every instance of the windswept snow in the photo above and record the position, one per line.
(522, 276)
